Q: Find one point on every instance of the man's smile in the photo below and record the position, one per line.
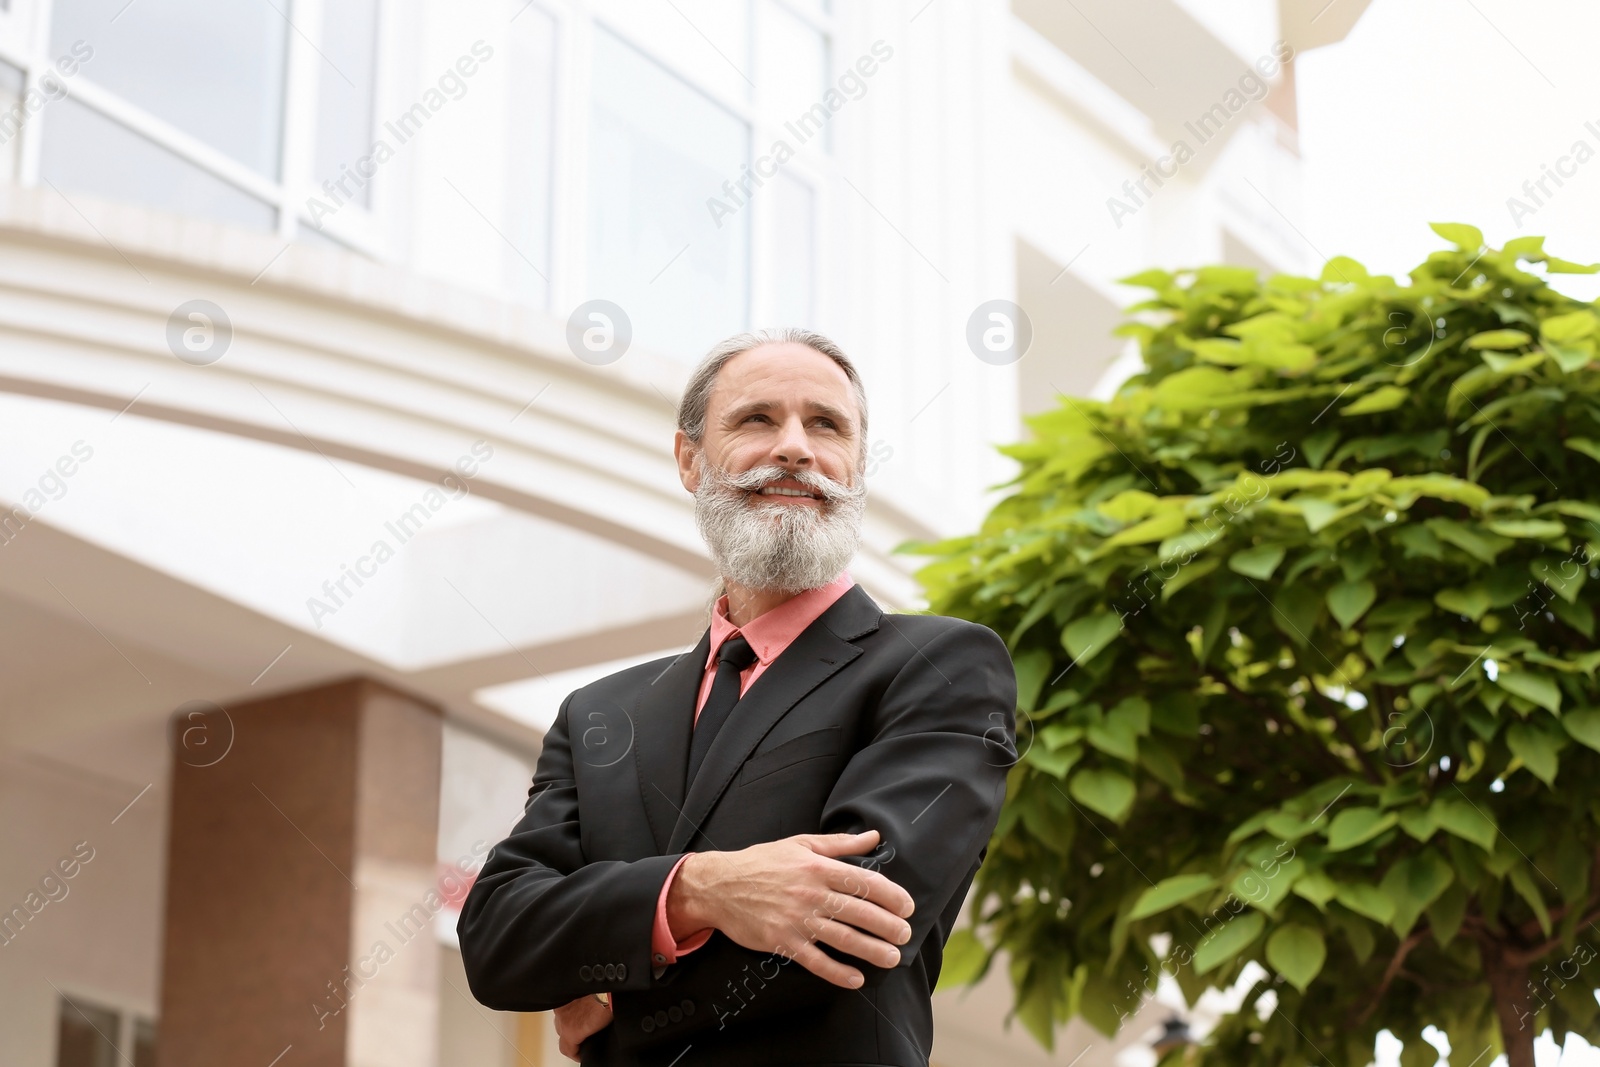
(789, 491)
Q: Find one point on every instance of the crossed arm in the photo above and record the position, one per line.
(921, 799)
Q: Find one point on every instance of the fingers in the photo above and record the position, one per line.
(840, 844)
(862, 946)
(873, 886)
(883, 929)
(827, 968)
(577, 1021)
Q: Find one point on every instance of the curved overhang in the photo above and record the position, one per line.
(352, 362)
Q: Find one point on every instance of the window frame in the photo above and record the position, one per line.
(128, 1010)
(818, 171)
(25, 43)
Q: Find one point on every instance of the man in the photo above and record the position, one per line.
(754, 852)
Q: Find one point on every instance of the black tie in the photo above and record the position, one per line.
(732, 658)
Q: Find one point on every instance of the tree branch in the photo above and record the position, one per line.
(1389, 972)
(1333, 708)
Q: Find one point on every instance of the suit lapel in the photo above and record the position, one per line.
(663, 720)
(821, 649)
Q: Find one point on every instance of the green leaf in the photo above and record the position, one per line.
(1466, 820)
(1084, 638)
(1467, 238)
(1583, 726)
(1471, 539)
(1541, 529)
(1446, 913)
(1297, 952)
(1572, 326)
(1228, 942)
(1566, 586)
(1156, 528)
(1584, 445)
(1498, 339)
(1192, 573)
(1169, 892)
(1055, 762)
(1348, 601)
(1104, 791)
(1295, 609)
(1258, 562)
(1383, 398)
(965, 960)
(1316, 887)
(1528, 890)
(1116, 737)
(1538, 749)
(1354, 826)
(1413, 884)
(1366, 900)
(1472, 601)
(1538, 688)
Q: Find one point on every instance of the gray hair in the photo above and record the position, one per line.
(697, 394)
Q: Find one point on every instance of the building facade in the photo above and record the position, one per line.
(340, 345)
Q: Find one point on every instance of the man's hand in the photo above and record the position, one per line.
(780, 896)
(578, 1021)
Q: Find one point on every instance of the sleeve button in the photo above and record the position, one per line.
(586, 972)
(661, 1018)
(688, 1007)
(622, 972)
(647, 1024)
(675, 1013)
(611, 972)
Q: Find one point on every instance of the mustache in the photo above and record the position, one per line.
(757, 477)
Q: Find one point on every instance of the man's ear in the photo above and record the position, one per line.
(685, 452)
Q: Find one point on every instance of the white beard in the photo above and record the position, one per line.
(774, 546)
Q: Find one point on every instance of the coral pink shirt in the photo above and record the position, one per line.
(769, 634)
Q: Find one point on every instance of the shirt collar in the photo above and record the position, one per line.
(770, 633)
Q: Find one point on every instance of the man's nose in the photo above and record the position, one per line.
(792, 445)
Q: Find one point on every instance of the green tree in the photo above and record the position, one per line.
(1304, 635)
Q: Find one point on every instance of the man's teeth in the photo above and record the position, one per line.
(780, 491)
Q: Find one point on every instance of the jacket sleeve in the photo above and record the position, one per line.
(931, 780)
(541, 926)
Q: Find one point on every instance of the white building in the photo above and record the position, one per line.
(323, 480)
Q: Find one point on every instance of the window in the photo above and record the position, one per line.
(84, 150)
(530, 146)
(11, 118)
(91, 1035)
(346, 81)
(791, 253)
(792, 69)
(659, 151)
(158, 54)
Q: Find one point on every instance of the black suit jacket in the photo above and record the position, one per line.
(899, 723)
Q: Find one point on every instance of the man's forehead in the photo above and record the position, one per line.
(773, 375)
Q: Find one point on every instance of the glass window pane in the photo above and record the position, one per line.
(144, 1043)
(530, 155)
(10, 121)
(660, 154)
(792, 70)
(345, 87)
(710, 38)
(85, 1035)
(84, 151)
(214, 70)
(791, 255)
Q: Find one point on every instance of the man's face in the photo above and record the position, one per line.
(777, 483)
